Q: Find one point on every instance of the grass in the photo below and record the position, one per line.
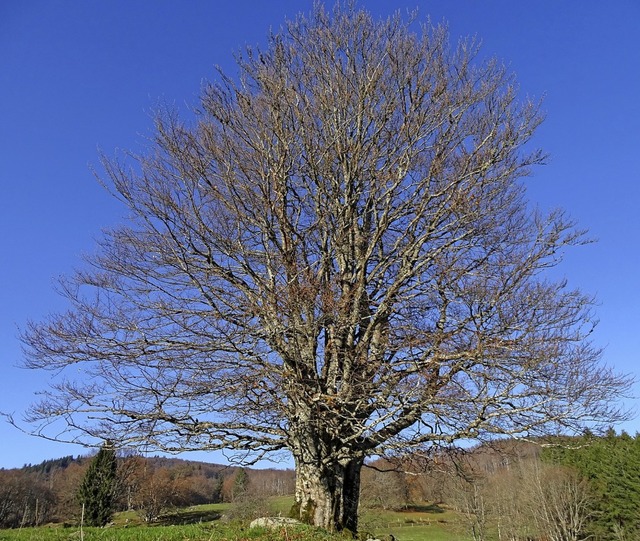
(419, 523)
(202, 523)
(281, 505)
(188, 532)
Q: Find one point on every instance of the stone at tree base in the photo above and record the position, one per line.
(274, 522)
(279, 522)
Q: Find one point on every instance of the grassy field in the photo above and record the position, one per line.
(190, 532)
(423, 523)
(420, 523)
(204, 523)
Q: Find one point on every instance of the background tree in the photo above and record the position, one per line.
(336, 258)
(97, 490)
(521, 498)
(65, 483)
(216, 490)
(272, 482)
(384, 486)
(130, 472)
(157, 492)
(470, 498)
(25, 500)
(561, 503)
(611, 465)
(240, 485)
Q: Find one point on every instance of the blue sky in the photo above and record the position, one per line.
(79, 76)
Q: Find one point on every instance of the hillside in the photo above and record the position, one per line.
(39, 493)
(586, 487)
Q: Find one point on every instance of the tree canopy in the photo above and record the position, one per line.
(336, 257)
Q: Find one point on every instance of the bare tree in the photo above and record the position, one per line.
(520, 500)
(469, 496)
(562, 504)
(335, 258)
(25, 500)
(384, 487)
(156, 492)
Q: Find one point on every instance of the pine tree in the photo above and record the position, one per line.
(216, 496)
(240, 484)
(611, 464)
(97, 489)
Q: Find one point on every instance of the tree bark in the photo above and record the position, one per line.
(328, 493)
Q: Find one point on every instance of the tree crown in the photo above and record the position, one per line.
(338, 250)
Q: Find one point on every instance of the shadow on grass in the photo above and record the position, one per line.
(188, 516)
(431, 508)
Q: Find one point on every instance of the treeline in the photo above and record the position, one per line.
(50, 491)
(610, 466)
(566, 489)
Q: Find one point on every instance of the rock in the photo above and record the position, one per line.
(273, 522)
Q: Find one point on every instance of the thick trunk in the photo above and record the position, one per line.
(328, 492)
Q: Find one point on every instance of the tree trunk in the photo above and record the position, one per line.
(328, 492)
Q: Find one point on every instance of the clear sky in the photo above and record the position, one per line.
(79, 76)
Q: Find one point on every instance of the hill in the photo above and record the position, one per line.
(39, 493)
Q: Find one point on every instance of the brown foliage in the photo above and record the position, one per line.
(24, 500)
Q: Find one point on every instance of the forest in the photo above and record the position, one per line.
(51, 491)
(563, 489)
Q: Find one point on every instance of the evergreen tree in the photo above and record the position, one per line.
(240, 484)
(216, 496)
(97, 489)
(612, 466)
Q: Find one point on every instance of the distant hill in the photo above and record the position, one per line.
(46, 492)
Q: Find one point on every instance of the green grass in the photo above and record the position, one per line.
(202, 523)
(189, 532)
(135, 533)
(281, 505)
(197, 523)
(418, 523)
(429, 522)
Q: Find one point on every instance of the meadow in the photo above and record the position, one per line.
(208, 523)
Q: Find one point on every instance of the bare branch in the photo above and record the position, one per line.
(336, 257)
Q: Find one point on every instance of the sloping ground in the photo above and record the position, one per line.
(203, 523)
(418, 523)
